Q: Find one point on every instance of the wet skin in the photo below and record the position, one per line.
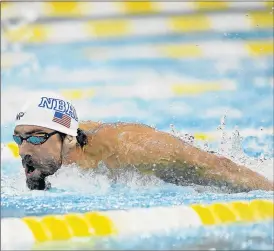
(152, 152)
(39, 161)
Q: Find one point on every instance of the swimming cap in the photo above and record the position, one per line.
(49, 110)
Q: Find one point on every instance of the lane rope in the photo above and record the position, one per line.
(35, 230)
(86, 9)
(122, 27)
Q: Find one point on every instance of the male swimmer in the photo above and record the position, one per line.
(49, 135)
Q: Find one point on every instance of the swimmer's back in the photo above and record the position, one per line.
(91, 126)
(167, 156)
(133, 143)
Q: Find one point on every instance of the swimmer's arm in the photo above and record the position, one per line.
(178, 162)
(224, 171)
(209, 169)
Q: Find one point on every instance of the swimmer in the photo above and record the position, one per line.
(49, 135)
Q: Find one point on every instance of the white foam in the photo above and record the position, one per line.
(74, 180)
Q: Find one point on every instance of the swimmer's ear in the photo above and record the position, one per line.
(70, 141)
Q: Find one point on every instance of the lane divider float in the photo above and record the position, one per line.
(75, 30)
(35, 230)
(49, 10)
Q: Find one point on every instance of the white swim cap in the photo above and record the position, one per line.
(50, 111)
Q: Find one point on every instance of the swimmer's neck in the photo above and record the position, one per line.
(78, 155)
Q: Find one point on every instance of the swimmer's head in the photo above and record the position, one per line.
(43, 128)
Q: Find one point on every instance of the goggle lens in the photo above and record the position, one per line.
(35, 140)
(18, 140)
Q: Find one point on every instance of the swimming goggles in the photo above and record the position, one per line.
(35, 140)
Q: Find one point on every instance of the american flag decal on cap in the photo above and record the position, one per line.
(62, 119)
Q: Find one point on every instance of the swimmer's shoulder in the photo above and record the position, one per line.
(89, 126)
(92, 126)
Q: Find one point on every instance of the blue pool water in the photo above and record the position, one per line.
(248, 109)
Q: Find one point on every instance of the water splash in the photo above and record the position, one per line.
(230, 144)
(72, 179)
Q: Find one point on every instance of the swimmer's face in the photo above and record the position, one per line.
(39, 160)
